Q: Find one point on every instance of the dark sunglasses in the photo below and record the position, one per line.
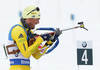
(34, 10)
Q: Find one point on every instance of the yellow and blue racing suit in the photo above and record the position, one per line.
(21, 60)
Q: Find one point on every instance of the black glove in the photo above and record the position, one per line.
(46, 37)
(57, 33)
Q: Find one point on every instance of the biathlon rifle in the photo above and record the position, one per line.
(81, 25)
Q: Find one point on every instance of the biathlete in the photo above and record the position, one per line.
(19, 49)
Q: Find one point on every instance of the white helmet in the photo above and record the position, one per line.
(31, 12)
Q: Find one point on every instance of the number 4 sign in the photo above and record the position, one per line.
(84, 57)
(84, 53)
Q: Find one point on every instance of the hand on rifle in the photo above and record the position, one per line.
(57, 33)
(46, 37)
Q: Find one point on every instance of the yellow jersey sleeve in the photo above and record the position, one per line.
(38, 53)
(20, 37)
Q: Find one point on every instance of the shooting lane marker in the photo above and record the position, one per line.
(84, 53)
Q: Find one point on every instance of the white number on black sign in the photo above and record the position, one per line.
(84, 57)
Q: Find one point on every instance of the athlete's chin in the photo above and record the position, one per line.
(32, 27)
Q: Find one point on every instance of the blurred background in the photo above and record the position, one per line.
(57, 14)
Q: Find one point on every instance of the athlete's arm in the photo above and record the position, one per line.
(19, 36)
(38, 53)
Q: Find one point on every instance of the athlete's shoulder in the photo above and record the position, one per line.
(18, 30)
